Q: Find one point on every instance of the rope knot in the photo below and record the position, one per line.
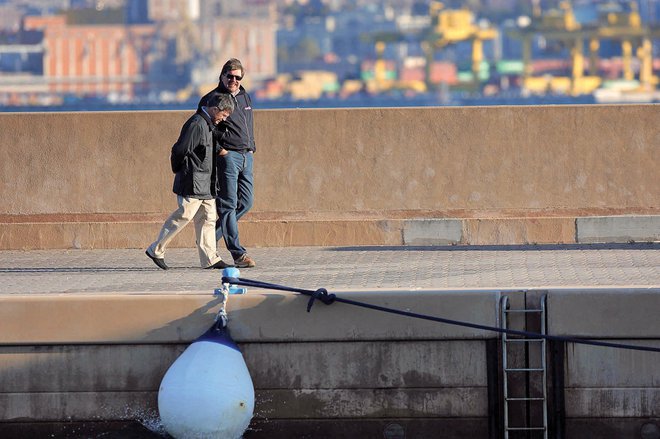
(322, 295)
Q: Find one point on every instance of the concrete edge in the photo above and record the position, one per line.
(621, 313)
(260, 317)
(343, 232)
(626, 228)
(265, 316)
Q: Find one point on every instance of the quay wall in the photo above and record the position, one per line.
(338, 371)
(372, 176)
(334, 372)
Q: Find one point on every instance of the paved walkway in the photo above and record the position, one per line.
(339, 268)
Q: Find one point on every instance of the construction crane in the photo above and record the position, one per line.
(448, 27)
(383, 79)
(627, 28)
(557, 25)
(561, 25)
(452, 26)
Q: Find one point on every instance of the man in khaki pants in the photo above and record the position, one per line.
(193, 161)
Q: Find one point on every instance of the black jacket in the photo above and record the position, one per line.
(193, 159)
(237, 132)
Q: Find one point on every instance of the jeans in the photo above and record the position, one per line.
(235, 197)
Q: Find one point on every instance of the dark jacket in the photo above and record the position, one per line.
(237, 132)
(193, 159)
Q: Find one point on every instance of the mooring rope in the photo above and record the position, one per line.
(323, 295)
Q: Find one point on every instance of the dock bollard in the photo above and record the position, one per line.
(231, 288)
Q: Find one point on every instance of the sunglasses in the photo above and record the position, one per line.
(234, 77)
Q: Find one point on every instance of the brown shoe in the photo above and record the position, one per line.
(244, 261)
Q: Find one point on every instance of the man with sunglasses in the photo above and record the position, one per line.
(235, 139)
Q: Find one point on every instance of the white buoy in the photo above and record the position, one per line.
(207, 392)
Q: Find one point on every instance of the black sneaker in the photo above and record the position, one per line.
(219, 265)
(158, 261)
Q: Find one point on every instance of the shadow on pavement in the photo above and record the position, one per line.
(528, 247)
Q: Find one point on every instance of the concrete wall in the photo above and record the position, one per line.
(413, 176)
(337, 370)
(609, 392)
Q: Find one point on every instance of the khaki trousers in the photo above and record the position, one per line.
(205, 216)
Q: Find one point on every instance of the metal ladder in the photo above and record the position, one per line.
(537, 374)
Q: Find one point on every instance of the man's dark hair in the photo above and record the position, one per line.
(223, 101)
(232, 64)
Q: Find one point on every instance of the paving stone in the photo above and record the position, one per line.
(339, 268)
